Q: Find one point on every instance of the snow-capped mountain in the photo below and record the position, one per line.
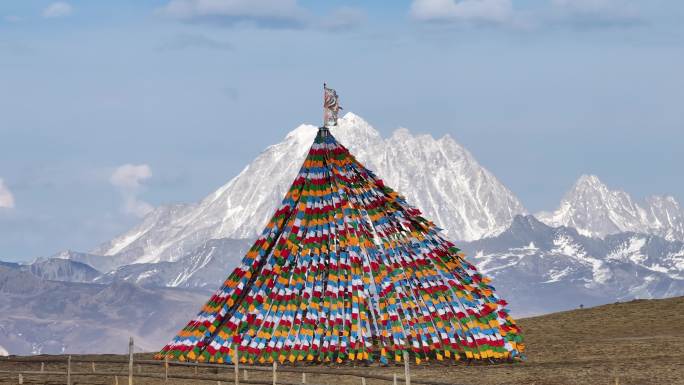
(438, 176)
(541, 269)
(595, 210)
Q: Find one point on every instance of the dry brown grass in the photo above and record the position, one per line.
(638, 342)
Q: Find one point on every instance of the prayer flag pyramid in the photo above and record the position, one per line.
(347, 270)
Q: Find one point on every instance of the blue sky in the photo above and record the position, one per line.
(187, 92)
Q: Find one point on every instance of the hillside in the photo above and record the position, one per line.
(637, 342)
(640, 342)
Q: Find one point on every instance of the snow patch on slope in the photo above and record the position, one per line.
(630, 251)
(566, 246)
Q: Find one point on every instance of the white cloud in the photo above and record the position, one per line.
(466, 11)
(263, 12)
(58, 9)
(591, 13)
(6, 197)
(129, 180)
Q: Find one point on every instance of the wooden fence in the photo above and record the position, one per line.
(218, 378)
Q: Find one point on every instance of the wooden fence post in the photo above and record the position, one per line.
(116, 380)
(394, 379)
(42, 366)
(92, 364)
(407, 371)
(363, 380)
(69, 370)
(275, 375)
(303, 378)
(237, 366)
(21, 379)
(245, 376)
(130, 361)
(166, 369)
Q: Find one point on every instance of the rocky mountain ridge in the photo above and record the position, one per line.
(438, 176)
(596, 210)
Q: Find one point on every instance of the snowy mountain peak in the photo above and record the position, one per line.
(351, 128)
(590, 187)
(353, 122)
(438, 176)
(354, 132)
(401, 133)
(590, 181)
(595, 210)
(303, 133)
